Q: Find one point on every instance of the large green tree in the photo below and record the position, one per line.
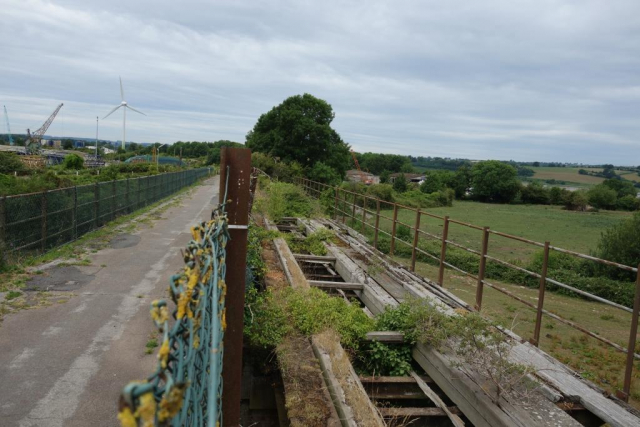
(300, 130)
(494, 181)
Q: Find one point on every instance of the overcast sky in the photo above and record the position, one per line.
(525, 80)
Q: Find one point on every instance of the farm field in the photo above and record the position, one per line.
(570, 175)
(578, 231)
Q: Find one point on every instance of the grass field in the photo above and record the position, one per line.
(578, 231)
(570, 175)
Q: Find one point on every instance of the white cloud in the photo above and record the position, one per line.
(495, 79)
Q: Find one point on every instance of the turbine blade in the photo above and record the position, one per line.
(121, 90)
(131, 108)
(111, 112)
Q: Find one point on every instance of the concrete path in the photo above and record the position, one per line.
(66, 364)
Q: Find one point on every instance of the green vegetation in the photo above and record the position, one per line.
(299, 129)
(494, 181)
(73, 161)
(287, 200)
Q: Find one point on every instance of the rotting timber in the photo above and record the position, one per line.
(562, 398)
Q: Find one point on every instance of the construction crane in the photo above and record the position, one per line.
(6, 118)
(364, 178)
(34, 139)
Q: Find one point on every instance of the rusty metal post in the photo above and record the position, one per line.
(393, 229)
(483, 265)
(632, 342)
(335, 206)
(43, 207)
(541, 290)
(443, 251)
(376, 229)
(353, 213)
(416, 237)
(238, 162)
(344, 209)
(364, 213)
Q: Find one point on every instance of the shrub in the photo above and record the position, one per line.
(621, 243)
(400, 184)
(576, 201)
(321, 172)
(628, 203)
(10, 163)
(535, 194)
(558, 196)
(381, 191)
(73, 161)
(602, 197)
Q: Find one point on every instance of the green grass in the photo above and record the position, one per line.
(578, 231)
(570, 175)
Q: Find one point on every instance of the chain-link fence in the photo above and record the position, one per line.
(41, 221)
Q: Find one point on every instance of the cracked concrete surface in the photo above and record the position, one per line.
(66, 364)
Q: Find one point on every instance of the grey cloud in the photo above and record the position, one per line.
(528, 80)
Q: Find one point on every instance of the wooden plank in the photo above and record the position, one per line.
(389, 337)
(323, 284)
(416, 412)
(455, 419)
(393, 380)
(314, 257)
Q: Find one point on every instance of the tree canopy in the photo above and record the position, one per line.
(299, 129)
(494, 181)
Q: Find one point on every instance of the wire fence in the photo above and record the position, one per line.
(41, 221)
(367, 213)
(186, 389)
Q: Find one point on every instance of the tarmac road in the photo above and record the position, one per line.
(66, 364)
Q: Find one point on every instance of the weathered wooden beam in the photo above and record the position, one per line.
(322, 284)
(388, 337)
(314, 257)
(455, 419)
(416, 412)
(393, 380)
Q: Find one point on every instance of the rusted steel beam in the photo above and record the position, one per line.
(443, 250)
(483, 265)
(632, 341)
(543, 282)
(237, 162)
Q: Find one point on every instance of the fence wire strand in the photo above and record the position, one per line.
(186, 388)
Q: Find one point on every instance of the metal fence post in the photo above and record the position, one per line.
(75, 212)
(541, 290)
(364, 212)
(96, 204)
(335, 207)
(483, 265)
(416, 236)
(377, 228)
(631, 348)
(443, 251)
(127, 210)
(344, 209)
(3, 225)
(113, 199)
(393, 229)
(43, 207)
(353, 213)
(238, 160)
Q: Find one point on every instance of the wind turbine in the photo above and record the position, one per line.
(124, 106)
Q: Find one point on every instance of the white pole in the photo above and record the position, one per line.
(124, 125)
(96, 138)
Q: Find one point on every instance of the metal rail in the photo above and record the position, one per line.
(313, 187)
